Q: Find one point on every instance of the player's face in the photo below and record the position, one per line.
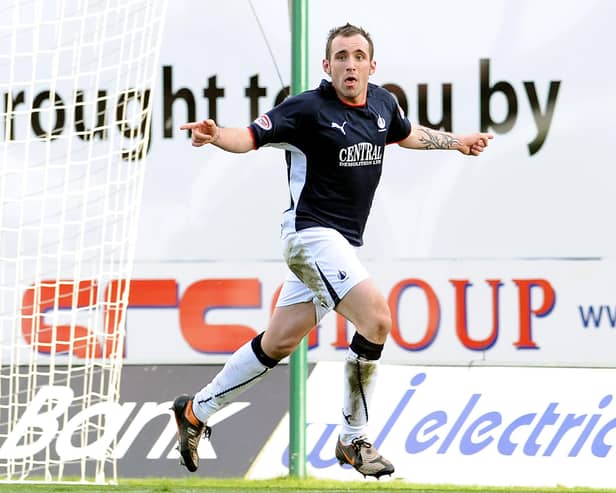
(350, 67)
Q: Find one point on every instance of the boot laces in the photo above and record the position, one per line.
(358, 443)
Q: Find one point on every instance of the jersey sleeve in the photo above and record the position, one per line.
(400, 126)
(279, 125)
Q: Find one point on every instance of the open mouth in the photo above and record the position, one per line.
(350, 81)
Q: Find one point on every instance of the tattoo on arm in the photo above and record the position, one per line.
(434, 139)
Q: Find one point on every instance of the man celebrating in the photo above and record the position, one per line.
(334, 137)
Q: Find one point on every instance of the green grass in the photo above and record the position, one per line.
(282, 485)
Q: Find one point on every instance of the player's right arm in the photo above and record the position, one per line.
(228, 139)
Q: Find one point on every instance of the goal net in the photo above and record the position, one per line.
(75, 98)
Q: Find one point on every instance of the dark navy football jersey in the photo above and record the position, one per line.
(334, 154)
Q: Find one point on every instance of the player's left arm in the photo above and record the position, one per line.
(427, 138)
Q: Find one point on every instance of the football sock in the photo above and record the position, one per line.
(360, 375)
(243, 369)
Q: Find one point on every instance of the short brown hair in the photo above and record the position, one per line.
(346, 31)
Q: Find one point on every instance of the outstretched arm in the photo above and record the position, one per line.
(228, 139)
(426, 138)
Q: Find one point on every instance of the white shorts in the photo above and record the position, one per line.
(323, 268)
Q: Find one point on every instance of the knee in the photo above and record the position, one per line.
(379, 327)
(384, 325)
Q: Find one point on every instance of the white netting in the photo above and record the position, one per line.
(75, 100)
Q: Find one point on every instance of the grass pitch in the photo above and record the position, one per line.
(282, 485)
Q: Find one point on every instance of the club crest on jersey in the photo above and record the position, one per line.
(264, 122)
